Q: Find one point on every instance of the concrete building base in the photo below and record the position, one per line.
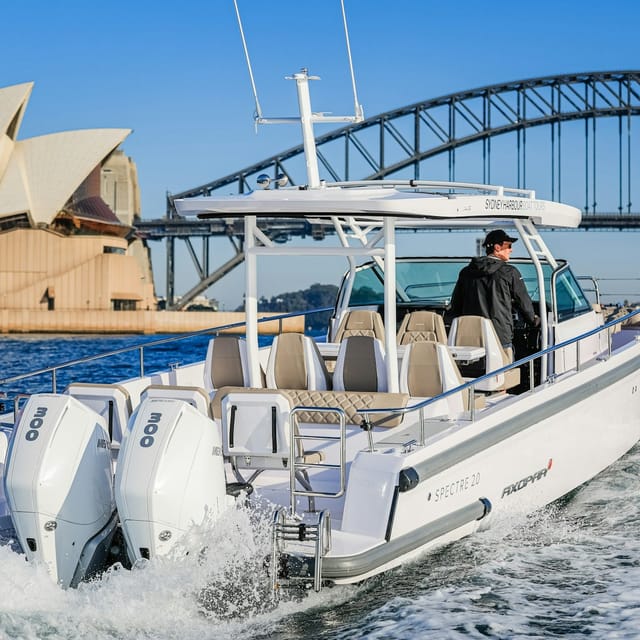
(148, 322)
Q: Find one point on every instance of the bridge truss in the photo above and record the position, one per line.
(570, 136)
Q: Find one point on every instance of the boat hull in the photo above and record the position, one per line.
(518, 457)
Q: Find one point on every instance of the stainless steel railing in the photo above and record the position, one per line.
(296, 443)
(469, 387)
(55, 369)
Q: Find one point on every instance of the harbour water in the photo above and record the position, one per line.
(571, 570)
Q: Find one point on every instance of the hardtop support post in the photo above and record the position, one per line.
(531, 237)
(251, 301)
(390, 302)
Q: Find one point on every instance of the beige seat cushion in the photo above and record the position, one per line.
(349, 401)
(419, 326)
(360, 323)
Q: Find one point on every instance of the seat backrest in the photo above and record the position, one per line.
(428, 370)
(420, 370)
(111, 401)
(226, 363)
(295, 363)
(418, 326)
(467, 331)
(360, 322)
(476, 331)
(255, 428)
(195, 396)
(360, 365)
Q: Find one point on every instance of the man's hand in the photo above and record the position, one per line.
(536, 321)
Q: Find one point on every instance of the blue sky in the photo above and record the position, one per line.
(175, 74)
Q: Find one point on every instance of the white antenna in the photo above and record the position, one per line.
(258, 113)
(307, 118)
(358, 107)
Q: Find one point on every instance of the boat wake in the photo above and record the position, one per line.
(568, 569)
(220, 592)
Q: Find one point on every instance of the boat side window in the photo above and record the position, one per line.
(368, 288)
(570, 300)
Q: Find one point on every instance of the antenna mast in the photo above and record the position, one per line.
(359, 113)
(258, 112)
(307, 117)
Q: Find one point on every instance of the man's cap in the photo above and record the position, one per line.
(497, 236)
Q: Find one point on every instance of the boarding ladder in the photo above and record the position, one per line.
(305, 538)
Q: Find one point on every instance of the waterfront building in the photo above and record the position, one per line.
(68, 203)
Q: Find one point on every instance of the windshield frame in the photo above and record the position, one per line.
(374, 275)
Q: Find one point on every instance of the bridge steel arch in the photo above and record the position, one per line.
(397, 143)
(459, 119)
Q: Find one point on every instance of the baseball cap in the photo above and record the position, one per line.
(497, 236)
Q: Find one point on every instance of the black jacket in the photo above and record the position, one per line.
(488, 287)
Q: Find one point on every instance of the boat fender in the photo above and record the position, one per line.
(487, 507)
(408, 479)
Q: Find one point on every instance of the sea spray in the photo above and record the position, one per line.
(213, 584)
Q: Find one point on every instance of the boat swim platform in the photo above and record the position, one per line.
(145, 322)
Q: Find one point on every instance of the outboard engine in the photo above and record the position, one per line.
(4, 445)
(59, 487)
(170, 475)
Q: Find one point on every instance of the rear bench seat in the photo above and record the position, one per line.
(349, 401)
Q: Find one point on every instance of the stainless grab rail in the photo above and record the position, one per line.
(54, 369)
(469, 387)
(296, 437)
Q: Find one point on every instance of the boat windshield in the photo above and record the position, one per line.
(430, 282)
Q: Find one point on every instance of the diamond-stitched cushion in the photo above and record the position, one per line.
(348, 401)
(419, 336)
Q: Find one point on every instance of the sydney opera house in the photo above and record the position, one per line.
(70, 259)
(68, 202)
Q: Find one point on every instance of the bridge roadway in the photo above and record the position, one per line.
(281, 229)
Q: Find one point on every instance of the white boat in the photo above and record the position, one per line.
(421, 434)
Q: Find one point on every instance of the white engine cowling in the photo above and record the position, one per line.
(4, 444)
(170, 475)
(59, 486)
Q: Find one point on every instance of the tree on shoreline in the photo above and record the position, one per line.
(316, 296)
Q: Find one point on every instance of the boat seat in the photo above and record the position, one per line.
(256, 435)
(476, 331)
(349, 401)
(360, 365)
(418, 326)
(195, 396)
(111, 401)
(427, 370)
(295, 363)
(226, 363)
(360, 323)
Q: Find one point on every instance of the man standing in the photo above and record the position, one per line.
(488, 286)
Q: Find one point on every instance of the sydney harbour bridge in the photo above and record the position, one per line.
(569, 137)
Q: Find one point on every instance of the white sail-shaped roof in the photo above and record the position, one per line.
(44, 171)
(13, 100)
(38, 175)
